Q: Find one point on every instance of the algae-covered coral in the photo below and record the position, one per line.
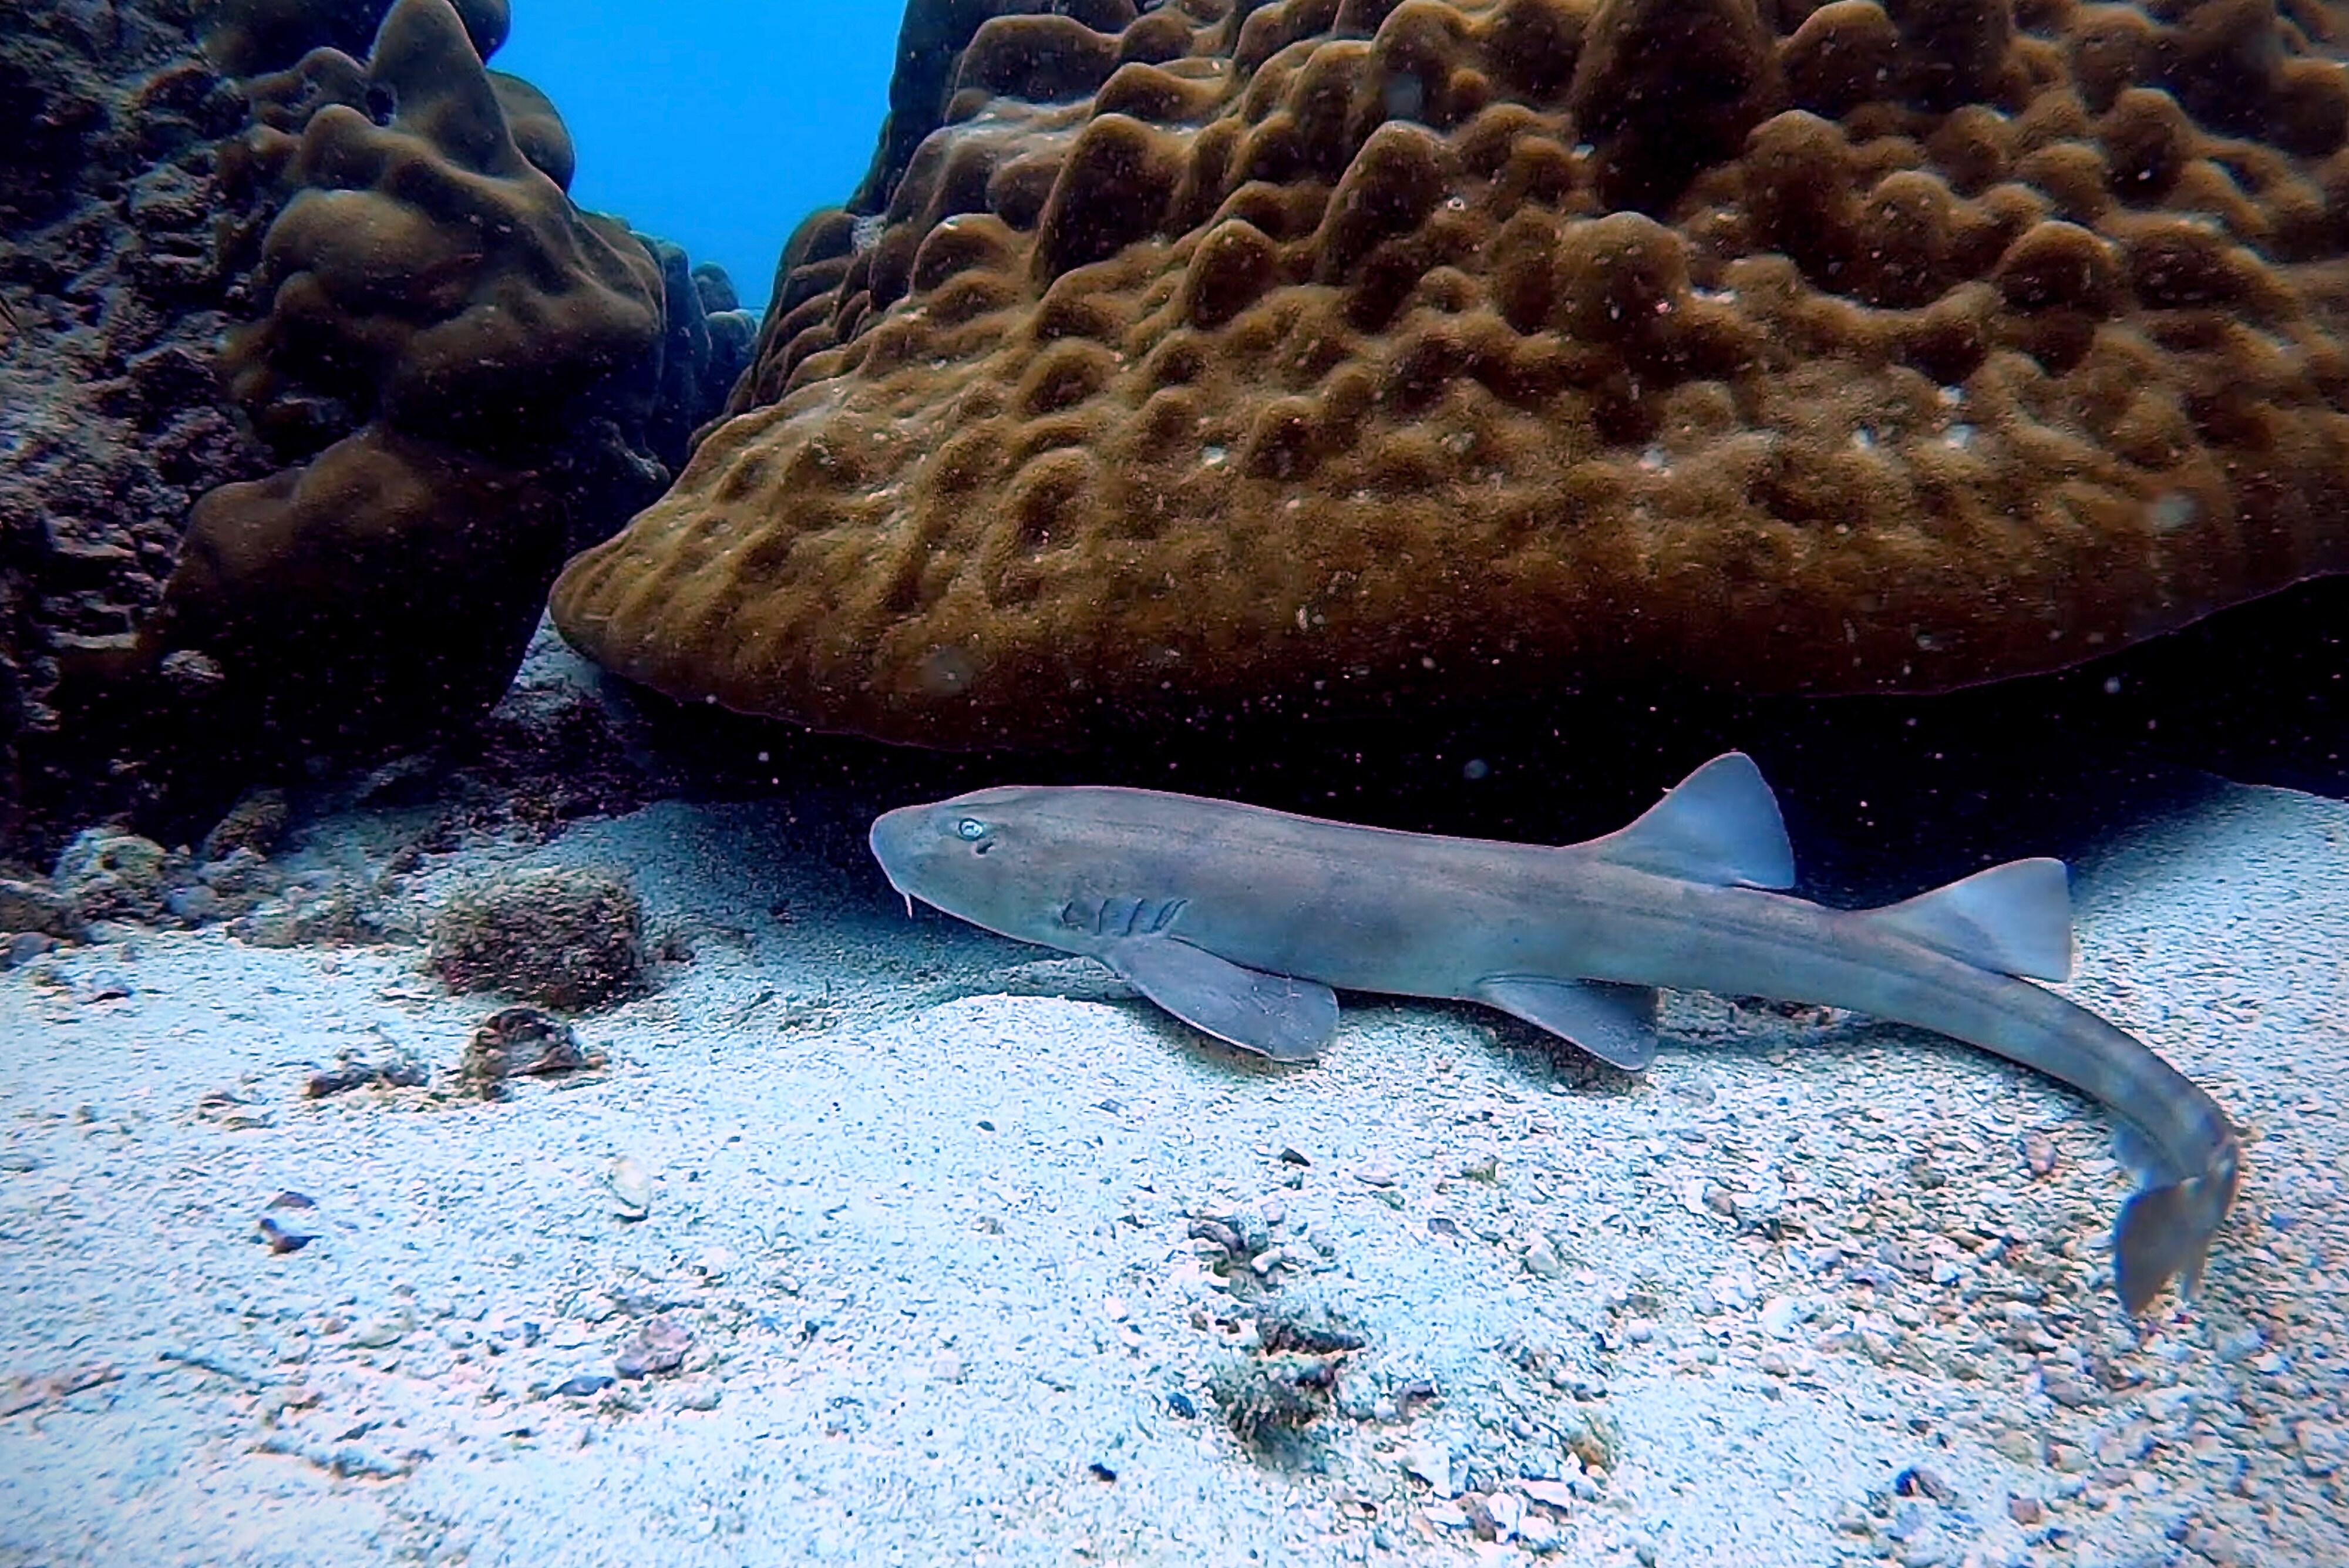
(1327, 351)
(313, 372)
(429, 281)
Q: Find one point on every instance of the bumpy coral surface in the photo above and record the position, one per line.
(310, 374)
(247, 37)
(1321, 351)
(437, 308)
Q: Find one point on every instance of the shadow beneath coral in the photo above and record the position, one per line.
(1882, 795)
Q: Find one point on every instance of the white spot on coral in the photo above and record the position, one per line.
(2173, 511)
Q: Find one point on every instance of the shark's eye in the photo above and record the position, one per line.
(970, 829)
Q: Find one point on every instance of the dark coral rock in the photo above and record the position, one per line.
(332, 541)
(520, 1041)
(564, 939)
(40, 907)
(110, 305)
(110, 875)
(312, 911)
(254, 824)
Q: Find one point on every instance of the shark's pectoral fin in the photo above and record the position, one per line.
(1720, 826)
(1273, 1015)
(1615, 1023)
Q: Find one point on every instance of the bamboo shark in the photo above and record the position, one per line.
(1241, 920)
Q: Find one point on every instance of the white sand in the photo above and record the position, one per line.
(914, 1333)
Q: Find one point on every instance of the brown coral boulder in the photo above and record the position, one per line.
(427, 271)
(1331, 350)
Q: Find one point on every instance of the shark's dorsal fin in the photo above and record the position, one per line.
(1720, 827)
(2015, 919)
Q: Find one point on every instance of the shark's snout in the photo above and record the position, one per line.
(893, 840)
(942, 853)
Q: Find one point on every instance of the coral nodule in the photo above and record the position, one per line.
(1324, 351)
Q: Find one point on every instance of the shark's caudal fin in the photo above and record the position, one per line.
(2015, 919)
(2165, 1231)
(1719, 825)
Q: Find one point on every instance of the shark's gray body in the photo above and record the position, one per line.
(1241, 920)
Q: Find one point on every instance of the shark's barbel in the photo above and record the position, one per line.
(1240, 920)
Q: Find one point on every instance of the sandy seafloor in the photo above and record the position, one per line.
(921, 1200)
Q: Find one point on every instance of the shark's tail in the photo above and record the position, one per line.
(2016, 919)
(2165, 1231)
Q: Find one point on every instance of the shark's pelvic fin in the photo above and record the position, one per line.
(2015, 919)
(1273, 1015)
(1615, 1023)
(1720, 827)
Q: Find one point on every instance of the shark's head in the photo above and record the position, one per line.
(985, 857)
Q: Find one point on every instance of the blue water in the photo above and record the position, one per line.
(718, 124)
